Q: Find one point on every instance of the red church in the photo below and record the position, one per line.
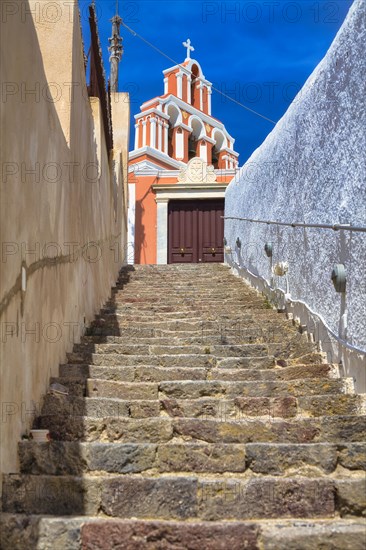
(182, 161)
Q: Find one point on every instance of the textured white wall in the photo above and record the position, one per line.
(312, 168)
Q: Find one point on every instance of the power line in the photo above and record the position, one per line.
(134, 33)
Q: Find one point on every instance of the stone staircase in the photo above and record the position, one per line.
(197, 418)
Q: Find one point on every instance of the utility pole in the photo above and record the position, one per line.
(116, 50)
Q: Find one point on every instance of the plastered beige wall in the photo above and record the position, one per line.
(59, 192)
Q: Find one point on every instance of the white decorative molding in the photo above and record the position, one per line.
(153, 132)
(137, 135)
(197, 171)
(189, 89)
(209, 92)
(153, 111)
(131, 223)
(154, 153)
(166, 137)
(144, 122)
(203, 151)
(179, 145)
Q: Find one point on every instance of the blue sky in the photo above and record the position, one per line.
(257, 52)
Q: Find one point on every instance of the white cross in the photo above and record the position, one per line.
(189, 48)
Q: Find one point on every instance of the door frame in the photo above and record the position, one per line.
(177, 191)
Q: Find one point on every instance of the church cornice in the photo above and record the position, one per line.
(152, 111)
(154, 153)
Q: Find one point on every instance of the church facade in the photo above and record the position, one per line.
(181, 164)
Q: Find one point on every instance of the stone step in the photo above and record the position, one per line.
(98, 407)
(176, 296)
(159, 374)
(117, 327)
(184, 497)
(205, 362)
(221, 334)
(204, 408)
(111, 353)
(331, 429)
(186, 360)
(91, 533)
(125, 345)
(194, 389)
(225, 338)
(134, 374)
(266, 407)
(211, 318)
(271, 361)
(183, 295)
(222, 389)
(75, 458)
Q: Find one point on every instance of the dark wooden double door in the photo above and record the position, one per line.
(195, 231)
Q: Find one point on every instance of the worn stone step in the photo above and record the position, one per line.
(204, 408)
(210, 318)
(304, 430)
(134, 374)
(266, 407)
(131, 324)
(116, 350)
(224, 333)
(236, 363)
(337, 534)
(188, 389)
(187, 300)
(159, 374)
(181, 360)
(97, 345)
(72, 406)
(196, 299)
(277, 373)
(50, 533)
(75, 458)
(330, 429)
(271, 362)
(183, 497)
(222, 389)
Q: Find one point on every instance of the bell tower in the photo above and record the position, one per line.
(176, 134)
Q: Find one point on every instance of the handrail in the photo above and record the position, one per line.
(334, 227)
(336, 337)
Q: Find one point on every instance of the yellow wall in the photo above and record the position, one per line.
(76, 196)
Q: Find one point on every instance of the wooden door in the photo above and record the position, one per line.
(211, 231)
(195, 231)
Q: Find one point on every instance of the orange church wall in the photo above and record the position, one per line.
(147, 157)
(204, 100)
(145, 224)
(145, 220)
(172, 84)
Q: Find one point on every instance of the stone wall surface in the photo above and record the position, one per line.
(312, 168)
(63, 206)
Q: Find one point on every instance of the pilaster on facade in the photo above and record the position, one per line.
(144, 124)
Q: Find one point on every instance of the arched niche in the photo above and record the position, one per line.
(220, 144)
(175, 117)
(195, 92)
(198, 131)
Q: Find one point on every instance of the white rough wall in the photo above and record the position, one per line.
(312, 168)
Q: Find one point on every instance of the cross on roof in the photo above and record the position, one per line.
(190, 48)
